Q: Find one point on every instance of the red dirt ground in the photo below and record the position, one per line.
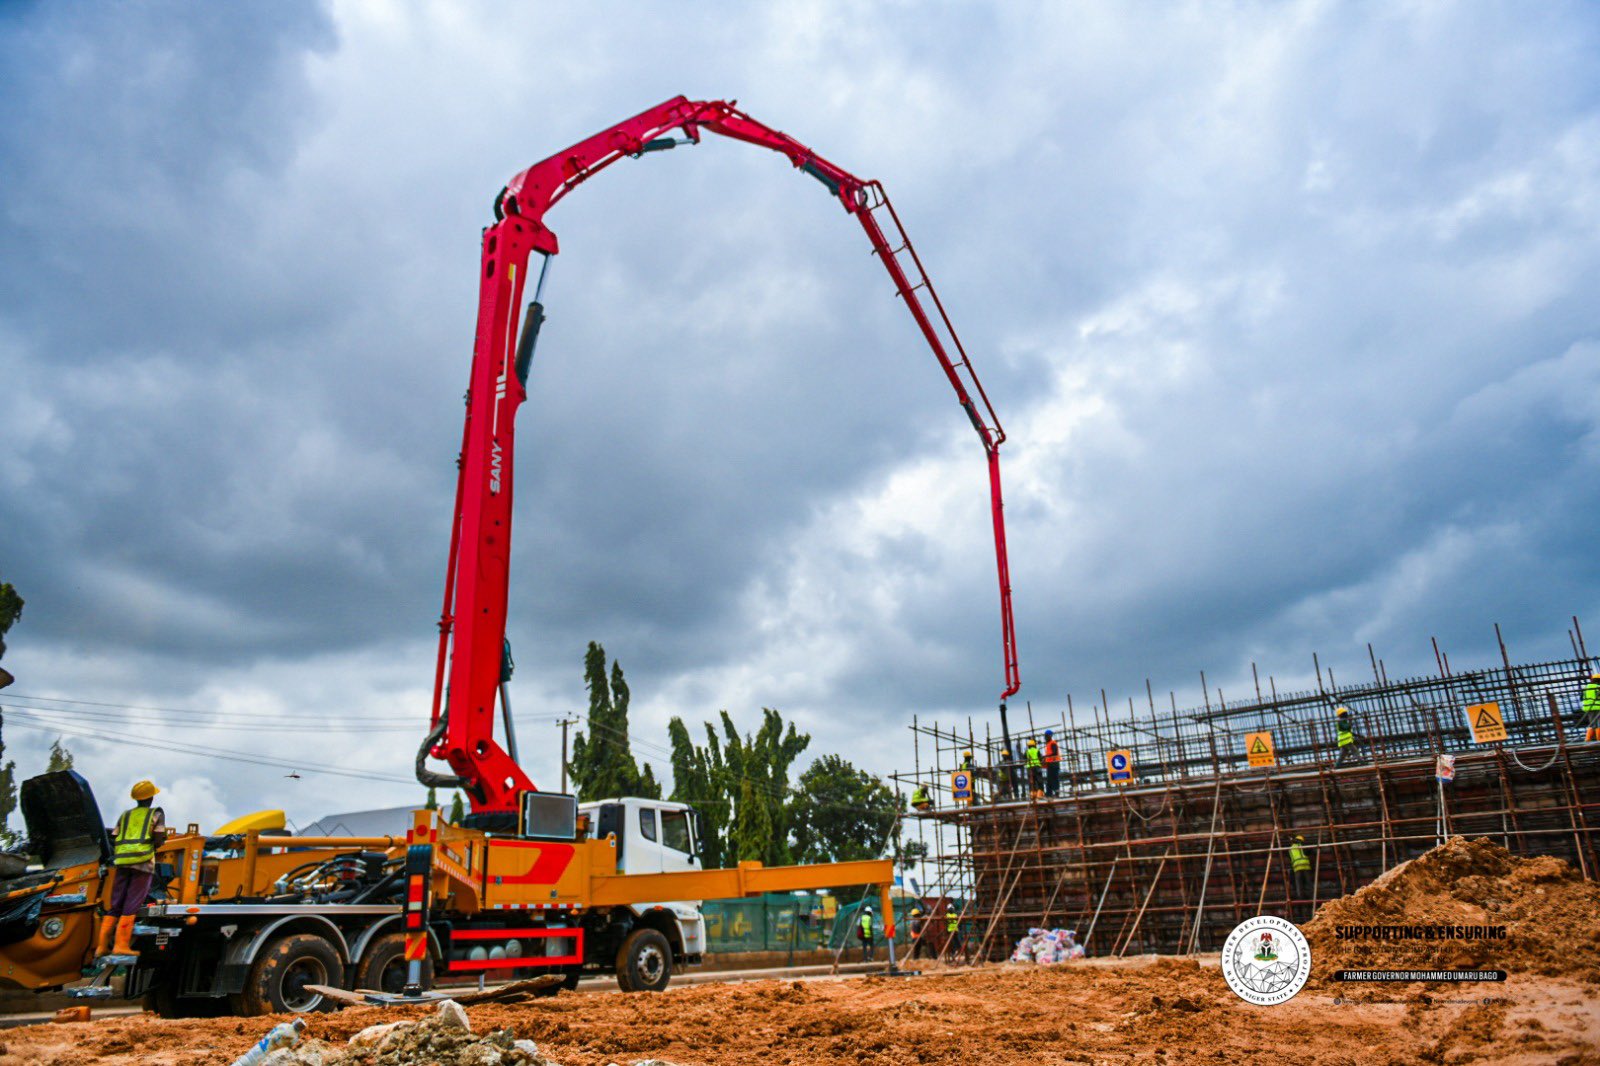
(1156, 1011)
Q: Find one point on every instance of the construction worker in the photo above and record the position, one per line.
(1035, 764)
(1345, 734)
(917, 926)
(1052, 764)
(1591, 708)
(952, 930)
(139, 832)
(864, 931)
(1003, 784)
(1299, 871)
(967, 763)
(920, 800)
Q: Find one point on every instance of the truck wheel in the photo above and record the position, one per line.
(644, 964)
(278, 979)
(383, 967)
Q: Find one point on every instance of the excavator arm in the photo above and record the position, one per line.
(472, 664)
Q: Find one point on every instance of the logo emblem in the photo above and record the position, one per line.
(1266, 960)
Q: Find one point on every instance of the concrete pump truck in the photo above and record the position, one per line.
(528, 883)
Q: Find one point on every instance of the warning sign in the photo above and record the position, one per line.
(1119, 764)
(1487, 724)
(1258, 746)
(961, 786)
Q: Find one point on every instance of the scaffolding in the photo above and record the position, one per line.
(1192, 839)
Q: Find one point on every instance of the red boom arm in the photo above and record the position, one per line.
(476, 583)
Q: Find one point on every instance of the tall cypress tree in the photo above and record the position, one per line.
(602, 760)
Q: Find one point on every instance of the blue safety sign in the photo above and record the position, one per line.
(961, 786)
(1119, 765)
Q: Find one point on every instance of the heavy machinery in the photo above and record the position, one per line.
(258, 922)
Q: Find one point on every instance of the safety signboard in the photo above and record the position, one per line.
(1119, 764)
(1486, 722)
(1258, 748)
(961, 786)
(1444, 768)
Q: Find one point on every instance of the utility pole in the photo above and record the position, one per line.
(564, 723)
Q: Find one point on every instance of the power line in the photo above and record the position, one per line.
(308, 715)
(126, 739)
(72, 714)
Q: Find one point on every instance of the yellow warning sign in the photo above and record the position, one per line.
(1258, 746)
(1486, 723)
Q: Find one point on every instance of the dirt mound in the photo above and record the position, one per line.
(1548, 912)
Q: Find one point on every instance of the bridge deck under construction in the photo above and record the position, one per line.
(1194, 839)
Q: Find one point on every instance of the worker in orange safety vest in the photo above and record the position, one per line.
(1052, 764)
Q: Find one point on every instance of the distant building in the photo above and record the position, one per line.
(390, 822)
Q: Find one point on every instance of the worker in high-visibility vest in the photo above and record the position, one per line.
(1300, 871)
(918, 926)
(920, 800)
(864, 932)
(1591, 708)
(952, 930)
(1035, 763)
(1345, 734)
(1052, 764)
(1004, 777)
(140, 831)
(967, 763)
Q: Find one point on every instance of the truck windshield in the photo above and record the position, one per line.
(675, 831)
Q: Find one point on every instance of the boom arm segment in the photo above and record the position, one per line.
(472, 622)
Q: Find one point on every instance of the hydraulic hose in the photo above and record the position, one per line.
(427, 777)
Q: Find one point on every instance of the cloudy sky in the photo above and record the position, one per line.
(1288, 310)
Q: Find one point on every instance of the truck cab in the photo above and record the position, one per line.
(653, 836)
(657, 837)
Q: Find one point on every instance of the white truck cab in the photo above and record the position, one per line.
(654, 837)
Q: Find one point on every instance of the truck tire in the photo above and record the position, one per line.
(278, 977)
(644, 963)
(383, 967)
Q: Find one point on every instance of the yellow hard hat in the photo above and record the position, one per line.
(1300, 837)
(1594, 675)
(144, 790)
(968, 752)
(1341, 710)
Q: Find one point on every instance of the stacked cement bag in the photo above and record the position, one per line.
(1048, 947)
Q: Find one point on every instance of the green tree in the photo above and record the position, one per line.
(10, 612)
(755, 776)
(911, 853)
(697, 776)
(457, 810)
(60, 757)
(842, 814)
(602, 761)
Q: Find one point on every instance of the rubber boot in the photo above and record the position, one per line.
(124, 945)
(108, 929)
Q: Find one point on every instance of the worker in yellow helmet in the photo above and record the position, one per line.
(140, 830)
(1299, 873)
(1591, 708)
(1035, 769)
(1345, 734)
(920, 800)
